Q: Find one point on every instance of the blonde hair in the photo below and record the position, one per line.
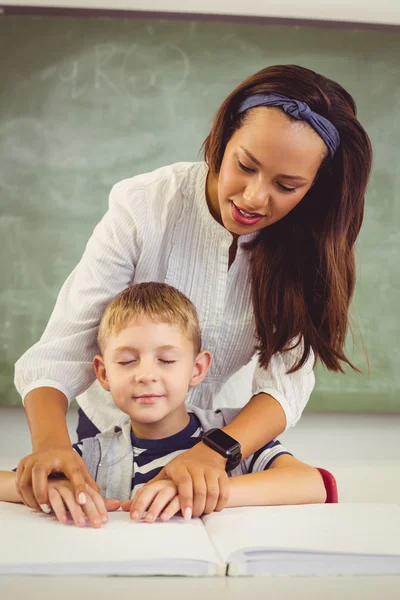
(159, 302)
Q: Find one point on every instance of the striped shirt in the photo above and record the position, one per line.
(150, 456)
(159, 228)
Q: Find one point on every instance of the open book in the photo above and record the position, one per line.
(327, 539)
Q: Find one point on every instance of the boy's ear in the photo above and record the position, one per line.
(201, 365)
(100, 370)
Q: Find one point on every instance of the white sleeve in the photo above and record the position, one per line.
(63, 357)
(291, 391)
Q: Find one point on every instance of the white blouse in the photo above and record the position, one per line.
(159, 228)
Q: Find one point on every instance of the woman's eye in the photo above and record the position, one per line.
(126, 362)
(244, 168)
(286, 189)
(167, 362)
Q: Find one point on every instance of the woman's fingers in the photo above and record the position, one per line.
(182, 479)
(76, 473)
(40, 487)
(212, 481)
(24, 485)
(200, 493)
(223, 492)
(33, 471)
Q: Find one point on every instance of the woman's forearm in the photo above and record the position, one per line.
(46, 410)
(291, 485)
(259, 422)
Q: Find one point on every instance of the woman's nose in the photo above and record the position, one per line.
(256, 196)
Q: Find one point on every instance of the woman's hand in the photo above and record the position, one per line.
(158, 498)
(94, 511)
(201, 480)
(33, 471)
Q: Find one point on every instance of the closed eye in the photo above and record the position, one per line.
(126, 362)
(167, 362)
(244, 168)
(286, 189)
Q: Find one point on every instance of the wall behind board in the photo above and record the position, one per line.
(86, 102)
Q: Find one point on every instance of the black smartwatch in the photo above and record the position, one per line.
(225, 445)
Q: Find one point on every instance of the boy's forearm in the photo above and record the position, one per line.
(289, 485)
(259, 422)
(8, 489)
(46, 410)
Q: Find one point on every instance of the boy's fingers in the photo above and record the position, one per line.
(100, 504)
(139, 506)
(92, 513)
(126, 505)
(162, 499)
(58, 505)
(112, 504)
(75, 510)
(171, 510)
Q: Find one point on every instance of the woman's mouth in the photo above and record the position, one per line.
(242, 217)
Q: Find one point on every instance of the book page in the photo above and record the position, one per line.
(32, 538)
(331, 528)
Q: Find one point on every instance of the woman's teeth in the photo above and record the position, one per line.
(248, 215)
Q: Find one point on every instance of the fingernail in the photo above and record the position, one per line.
(150, 517)
(105, 519)
(187, 514)
(82, 498)
(45, 508)
(135, 515)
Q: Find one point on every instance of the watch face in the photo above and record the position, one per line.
(223, 440)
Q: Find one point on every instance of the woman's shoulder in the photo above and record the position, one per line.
(172, 181)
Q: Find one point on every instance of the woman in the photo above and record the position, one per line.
(260, 237)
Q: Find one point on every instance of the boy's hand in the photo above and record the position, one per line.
(94, 511)
(158, 498)
(33, 471)
(201, 479)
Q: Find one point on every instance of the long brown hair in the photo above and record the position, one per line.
(303, 266)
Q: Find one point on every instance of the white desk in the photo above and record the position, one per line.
(173, 588)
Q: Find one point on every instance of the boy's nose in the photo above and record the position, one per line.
(145, 377)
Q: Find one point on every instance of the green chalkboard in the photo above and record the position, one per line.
(86, 102)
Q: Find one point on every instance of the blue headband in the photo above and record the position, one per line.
(298, 110)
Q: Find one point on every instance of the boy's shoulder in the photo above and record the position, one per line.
(213, 418)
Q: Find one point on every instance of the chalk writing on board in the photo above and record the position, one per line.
(126, 70)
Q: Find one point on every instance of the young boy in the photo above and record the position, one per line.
(150, 344)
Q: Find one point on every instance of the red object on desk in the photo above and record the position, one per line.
(330, 486)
